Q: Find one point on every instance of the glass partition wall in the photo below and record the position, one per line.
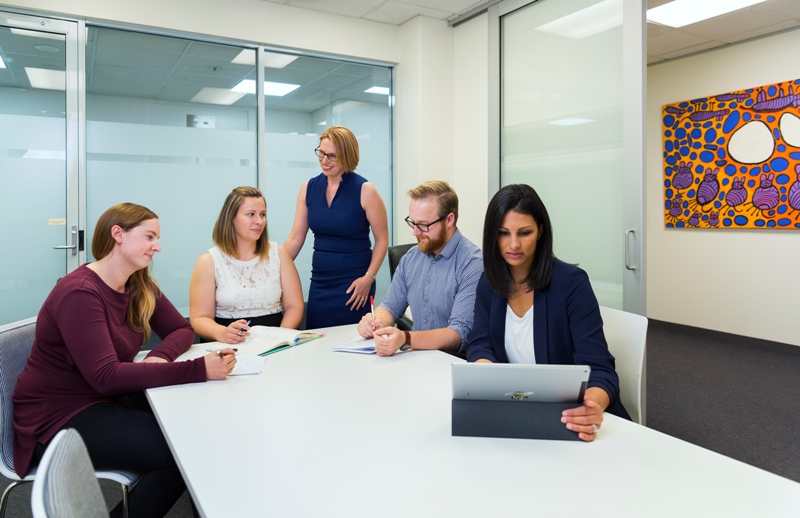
(173, 124)
(36, 164)
(564, 109)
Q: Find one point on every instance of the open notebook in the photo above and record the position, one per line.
(265, 340)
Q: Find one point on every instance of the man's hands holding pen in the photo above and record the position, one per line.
(220, 363)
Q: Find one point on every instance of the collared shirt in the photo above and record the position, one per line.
(439, 289)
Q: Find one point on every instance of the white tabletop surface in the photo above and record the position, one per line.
(319, 433)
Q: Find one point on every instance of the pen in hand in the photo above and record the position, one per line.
(372, 310)
(241, 329)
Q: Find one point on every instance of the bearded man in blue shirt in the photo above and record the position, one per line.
(436, 279)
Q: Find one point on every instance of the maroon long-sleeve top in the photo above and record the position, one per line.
(83, 354)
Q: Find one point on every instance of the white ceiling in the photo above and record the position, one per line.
(768, 17)
(663, 43)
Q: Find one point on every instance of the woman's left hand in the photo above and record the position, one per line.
(360, 292)
(586, 419)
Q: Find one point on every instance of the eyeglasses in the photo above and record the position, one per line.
(331, 156)
(422, 227)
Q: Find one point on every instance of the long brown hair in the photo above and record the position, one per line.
(224, 234)
(143, 290)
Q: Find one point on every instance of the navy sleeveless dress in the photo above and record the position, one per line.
(342, 250)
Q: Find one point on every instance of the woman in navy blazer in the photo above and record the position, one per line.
(522, 276)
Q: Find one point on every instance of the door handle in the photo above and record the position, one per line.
(74, 245)
(628, 233)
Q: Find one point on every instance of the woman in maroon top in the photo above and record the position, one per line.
(81, 374)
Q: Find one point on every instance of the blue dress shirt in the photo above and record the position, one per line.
(439, 289)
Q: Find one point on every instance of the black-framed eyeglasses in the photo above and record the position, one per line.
(331, 156)
(423, 227)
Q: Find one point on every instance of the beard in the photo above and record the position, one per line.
(433, 243)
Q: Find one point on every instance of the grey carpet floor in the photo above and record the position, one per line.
(729, 394)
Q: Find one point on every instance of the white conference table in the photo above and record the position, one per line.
(319, 433)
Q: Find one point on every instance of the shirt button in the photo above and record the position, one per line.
(429, 281)
(426, 320)
(426, 301)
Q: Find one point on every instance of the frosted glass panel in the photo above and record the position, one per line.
(165, 130)
(32, 171)
(331, 93)
(562, 127)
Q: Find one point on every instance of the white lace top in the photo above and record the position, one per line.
(247, 288)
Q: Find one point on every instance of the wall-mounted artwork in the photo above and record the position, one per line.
(733, 160)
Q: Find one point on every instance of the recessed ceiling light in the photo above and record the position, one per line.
(377, 90)
(595, 19)
(248, 86)
(37, 34)
(2, 63)
(47, 48)
(222, 96)
(46, 79)
(685, 12)
(322, 123)
(271, 59)
(570, 121)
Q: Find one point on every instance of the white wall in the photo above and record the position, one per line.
(738, 281)
(471, 128)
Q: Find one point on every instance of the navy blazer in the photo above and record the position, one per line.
(567, 329)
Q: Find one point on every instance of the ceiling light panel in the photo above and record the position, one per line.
(271, 59)
(46, 79)
(595, 19)
(380, 90)
(223, 96)
(38, 34)
(248, 86)
(685, 12)
(2, 63)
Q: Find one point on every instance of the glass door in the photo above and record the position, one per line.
(40, 234)
(571, 127)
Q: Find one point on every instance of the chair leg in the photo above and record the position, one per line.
(6, 493)
(124, 501)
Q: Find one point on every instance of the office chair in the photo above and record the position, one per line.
(626, 335)
(16, 341)
(395, 254)
(66, 486)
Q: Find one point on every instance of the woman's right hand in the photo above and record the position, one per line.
(236, 332)
(218, 367)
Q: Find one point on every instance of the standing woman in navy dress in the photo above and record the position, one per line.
(340, 207)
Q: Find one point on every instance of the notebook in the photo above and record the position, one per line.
(265, 340)
(520, 382)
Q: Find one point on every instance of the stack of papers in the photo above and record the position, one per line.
(359, 345)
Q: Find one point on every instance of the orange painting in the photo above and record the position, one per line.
(733, 160)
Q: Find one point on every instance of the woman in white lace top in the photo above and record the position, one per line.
(245, 279)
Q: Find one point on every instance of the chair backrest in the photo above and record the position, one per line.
(16, 340)
(395, 254)
(65, 485)
(626, 334)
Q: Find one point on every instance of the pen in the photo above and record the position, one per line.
(372, 306)
(241, 329)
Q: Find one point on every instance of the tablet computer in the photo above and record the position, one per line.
(520, 382)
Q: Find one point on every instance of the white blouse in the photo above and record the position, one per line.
(519, 337)
(247, 288)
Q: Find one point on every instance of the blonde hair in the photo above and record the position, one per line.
(143, 290)
(446, 197)
(346, 146)
(224, 234)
